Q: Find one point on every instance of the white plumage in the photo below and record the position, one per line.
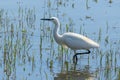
(72, 40)
(77, 41)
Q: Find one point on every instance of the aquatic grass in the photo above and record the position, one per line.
(111, 57)
(106, 40)
(96, 1)
(62, 54)
(118, 75)
(115, 62)
(41, 48)
(110, 66)
(71, 24)
(51, 64)
(31, 18)
(12, 46)
(110, 1)
(46, 76)
(73, 5)
(107, 67)
(107, 27)
(9, 60)
(1, 18)
(33, 63)
(99, 35)
(88, 17)
(14, 49)
(7, 68)
(80, 30)
(66, 66)
(67, 28)
(87, 7)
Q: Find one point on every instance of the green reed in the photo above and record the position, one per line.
(16, 42)
(118, 76)
(110, 1)
(99, 35)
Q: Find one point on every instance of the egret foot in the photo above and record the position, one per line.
(75, 58)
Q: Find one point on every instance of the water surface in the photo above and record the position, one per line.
(28, 50)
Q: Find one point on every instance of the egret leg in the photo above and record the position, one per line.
(75, 59)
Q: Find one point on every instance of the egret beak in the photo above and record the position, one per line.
(46, 19)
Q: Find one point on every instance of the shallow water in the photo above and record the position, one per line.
(28, 50)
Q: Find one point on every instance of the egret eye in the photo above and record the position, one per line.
(52, 19)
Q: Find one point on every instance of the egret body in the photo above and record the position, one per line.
(71, 40)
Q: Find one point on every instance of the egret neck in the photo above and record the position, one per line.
(56, 34)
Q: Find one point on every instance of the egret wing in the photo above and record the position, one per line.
(72, 42)
(76, 41)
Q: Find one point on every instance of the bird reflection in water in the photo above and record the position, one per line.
(83, 74)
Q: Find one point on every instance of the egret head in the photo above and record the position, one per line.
(53, 19)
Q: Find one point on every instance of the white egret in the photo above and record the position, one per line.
(72, 40)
